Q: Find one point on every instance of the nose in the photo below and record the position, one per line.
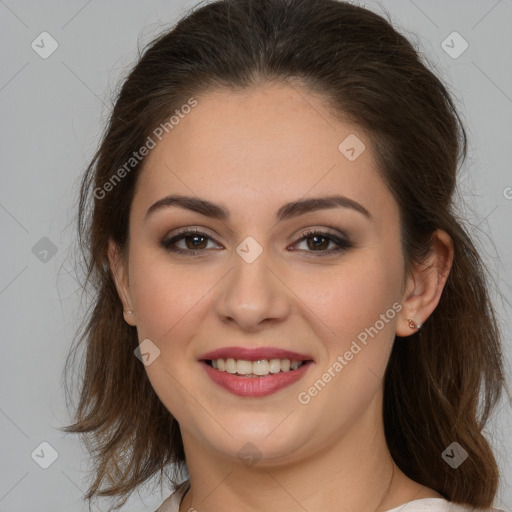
(253, 293)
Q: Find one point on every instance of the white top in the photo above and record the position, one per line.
(172, 504)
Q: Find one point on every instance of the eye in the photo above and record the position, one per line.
(196, 242)
(320, 240)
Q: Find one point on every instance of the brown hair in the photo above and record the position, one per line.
(371, 75)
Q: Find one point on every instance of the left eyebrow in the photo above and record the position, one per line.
(287, 211)
(304, 206)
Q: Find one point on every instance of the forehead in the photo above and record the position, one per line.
(265, 145)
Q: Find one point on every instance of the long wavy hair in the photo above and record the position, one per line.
(442, 385)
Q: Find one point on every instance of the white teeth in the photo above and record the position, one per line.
(294, 365)
(260, 367)
(231, 365)
(255, 368)
(274, 365)
(243, 367)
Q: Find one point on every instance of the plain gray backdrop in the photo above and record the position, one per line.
(53, 109)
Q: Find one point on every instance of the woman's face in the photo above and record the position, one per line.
(250, 280)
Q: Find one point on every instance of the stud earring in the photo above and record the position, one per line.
(413, 325)
(129, 311)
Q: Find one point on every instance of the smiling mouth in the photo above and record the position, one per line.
(254, 369)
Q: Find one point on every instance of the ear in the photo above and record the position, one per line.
(425, 284)
(119, 270)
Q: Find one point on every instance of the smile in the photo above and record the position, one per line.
(255, 378)
(257, 368)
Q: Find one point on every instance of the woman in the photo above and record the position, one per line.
(287, 308)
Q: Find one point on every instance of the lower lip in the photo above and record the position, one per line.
(255, 386)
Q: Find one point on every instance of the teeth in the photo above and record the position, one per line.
(274, 365)
(243, 367)
(255, 368)
(294, 365)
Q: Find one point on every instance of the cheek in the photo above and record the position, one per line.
(354, 295)
(169, 299)
(357, 306)
(166, 296)
(358, 341)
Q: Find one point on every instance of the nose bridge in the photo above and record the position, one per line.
(252, 292)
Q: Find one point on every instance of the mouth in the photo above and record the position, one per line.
(255, 369)
(255, 372)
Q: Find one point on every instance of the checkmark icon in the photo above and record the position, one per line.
(454, 45)
(249, 249)
(147, 352)
(44, 250)
(454, 455)
(44, 455)
(351, 147)
(44, 45)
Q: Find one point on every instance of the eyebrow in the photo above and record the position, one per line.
(287, 211)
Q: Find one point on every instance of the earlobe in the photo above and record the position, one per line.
(120, 277)
(425, 285)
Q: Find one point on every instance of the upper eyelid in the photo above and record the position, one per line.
(184, 232)
(302, 232)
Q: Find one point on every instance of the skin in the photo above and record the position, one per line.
(252, 152)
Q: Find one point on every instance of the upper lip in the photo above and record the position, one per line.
(254, 354)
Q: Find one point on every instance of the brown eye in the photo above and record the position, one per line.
(318, 241)
(195, 242)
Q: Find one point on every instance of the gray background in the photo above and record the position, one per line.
(53, 111)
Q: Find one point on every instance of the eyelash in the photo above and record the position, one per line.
(343, 245)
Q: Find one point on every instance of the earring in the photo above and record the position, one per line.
(413, 324)
(129, 311)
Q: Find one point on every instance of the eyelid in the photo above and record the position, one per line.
(342, 242)
(182, 233)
